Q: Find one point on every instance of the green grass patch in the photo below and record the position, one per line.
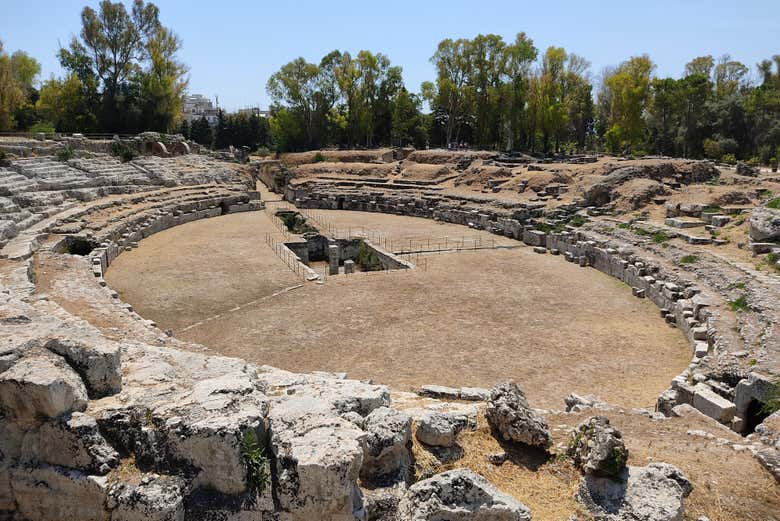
(713, 208)
(689, 259)
(739, 304)
(624, 226)
(319, 158)
(774, 204)
(577, 221)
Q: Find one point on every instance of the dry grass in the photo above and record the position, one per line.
(545, 485)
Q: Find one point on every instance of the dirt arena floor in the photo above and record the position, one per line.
(471, 318)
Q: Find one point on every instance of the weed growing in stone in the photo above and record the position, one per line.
(255, 461)
(689, 259)
(65, 154)
(660, 237)
(739, 304)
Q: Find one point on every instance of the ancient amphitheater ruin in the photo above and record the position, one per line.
(385, 335)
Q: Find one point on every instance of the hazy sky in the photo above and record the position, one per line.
(232, 46)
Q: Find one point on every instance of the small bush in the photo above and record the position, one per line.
(255, 462)
(123, 151)
(774, 204)
(772, 402)
(319, 158)
(660, 237)
(711, 208)
(65, 154)
(729, 159)
(42, 126)
(577, 221)
(739, 304)
(368, 259)
(689, 259)
(624, 226)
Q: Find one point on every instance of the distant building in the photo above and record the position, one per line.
(197, 106)
(255, 111)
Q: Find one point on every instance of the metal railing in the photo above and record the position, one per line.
(288, 257)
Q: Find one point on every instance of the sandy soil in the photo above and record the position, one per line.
(473, 318)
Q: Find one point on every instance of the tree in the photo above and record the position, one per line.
(701, 65)
(63, 103)
(626, 91)
(201, 132)
(163, 84)
(517, 59)
(450, 93)
(296, 84)
(408, 125)
(109, 57)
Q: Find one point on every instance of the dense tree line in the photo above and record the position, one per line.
(508, 96)
(238, 130)
(122, 76)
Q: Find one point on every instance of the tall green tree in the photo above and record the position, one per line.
(626, 91)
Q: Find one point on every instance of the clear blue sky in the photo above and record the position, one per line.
(232, 46)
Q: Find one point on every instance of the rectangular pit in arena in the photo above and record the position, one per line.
(345, 256)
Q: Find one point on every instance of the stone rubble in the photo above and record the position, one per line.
(509, 414)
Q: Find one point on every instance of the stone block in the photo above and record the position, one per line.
(712, 404)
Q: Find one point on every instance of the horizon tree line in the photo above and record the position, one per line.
(123, 75)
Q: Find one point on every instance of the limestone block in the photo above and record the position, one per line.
(654, 492)
(41, 385)
(598, 448)
(460, 495)
(439, 429)
(74, 442)
(96, 359)
(509, 413)
(386, 447)
(52, 493)
(712, 404)
(160, 499)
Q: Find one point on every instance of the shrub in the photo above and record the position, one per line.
(771, 403)
(712, 149)
(753, 161)
(689, 259)
(712, 208)
(255, 462)
(65, 154)
(577, 221)
(739, 304)
(729, 159)
(123, 151)
(368, 259)
(319, 158)
(660, 237)
(42, 126)
(774, 204)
